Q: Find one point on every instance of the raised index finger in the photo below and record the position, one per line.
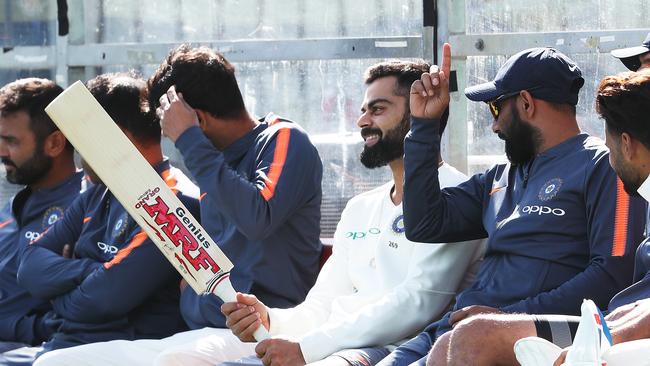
(446, 59)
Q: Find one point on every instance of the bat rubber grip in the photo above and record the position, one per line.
(226, 293)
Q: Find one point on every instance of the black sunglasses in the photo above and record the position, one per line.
(495, 104)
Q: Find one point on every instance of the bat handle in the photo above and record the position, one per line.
(227, 293)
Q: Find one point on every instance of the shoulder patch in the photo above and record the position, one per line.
(52, 215)
(550, 189)
(120, 227)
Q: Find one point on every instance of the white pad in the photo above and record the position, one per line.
(592, 338)
(634, 353)
(591, 346)
(534, 351)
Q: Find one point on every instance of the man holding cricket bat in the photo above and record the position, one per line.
(118, 285)
(37, 155)
(377, 288)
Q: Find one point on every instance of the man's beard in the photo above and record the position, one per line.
(31, 171)
(630, 178)
(388, 148)
(522, 139)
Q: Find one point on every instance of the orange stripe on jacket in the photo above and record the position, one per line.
(40, 236)
(170, 180)
(137, 240)
(620, 221)
(86, 219)
(5, 223)
(279, 158)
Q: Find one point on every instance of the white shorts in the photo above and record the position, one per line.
(206, 346)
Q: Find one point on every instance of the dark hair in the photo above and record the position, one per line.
(623, 101)
(32, 95)
(406, 73)
(124, 97)
(204, 77)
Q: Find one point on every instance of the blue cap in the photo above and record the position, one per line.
(630, 56)
(545, 72)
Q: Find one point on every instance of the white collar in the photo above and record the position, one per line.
(644, 189)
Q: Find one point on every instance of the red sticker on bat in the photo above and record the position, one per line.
(171, 225)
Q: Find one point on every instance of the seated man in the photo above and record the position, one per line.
(118, 285)
(622, 119)
(623, 101)
(560, 226)
(35, 154)
(260, 184)
(260, 181)
(635, 58)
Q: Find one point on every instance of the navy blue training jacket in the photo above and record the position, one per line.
(118, 285)
(260, 201)
(24, 318)
(560, 228)
(640, 289)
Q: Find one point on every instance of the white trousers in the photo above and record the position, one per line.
(207, 346)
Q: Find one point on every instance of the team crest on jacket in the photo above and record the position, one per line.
(398, 224)
(550, 189)
(52, 215)
(120, 226)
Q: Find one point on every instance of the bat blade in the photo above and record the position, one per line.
(143, 193)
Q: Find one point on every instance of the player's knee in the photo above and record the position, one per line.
(470, 336)
(469, 328)
(176, 357)
(331, 361)
(438, 354)
(489, 339)
(168, 359)
(53, 358)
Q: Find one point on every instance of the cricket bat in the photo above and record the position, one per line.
(143, 193)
